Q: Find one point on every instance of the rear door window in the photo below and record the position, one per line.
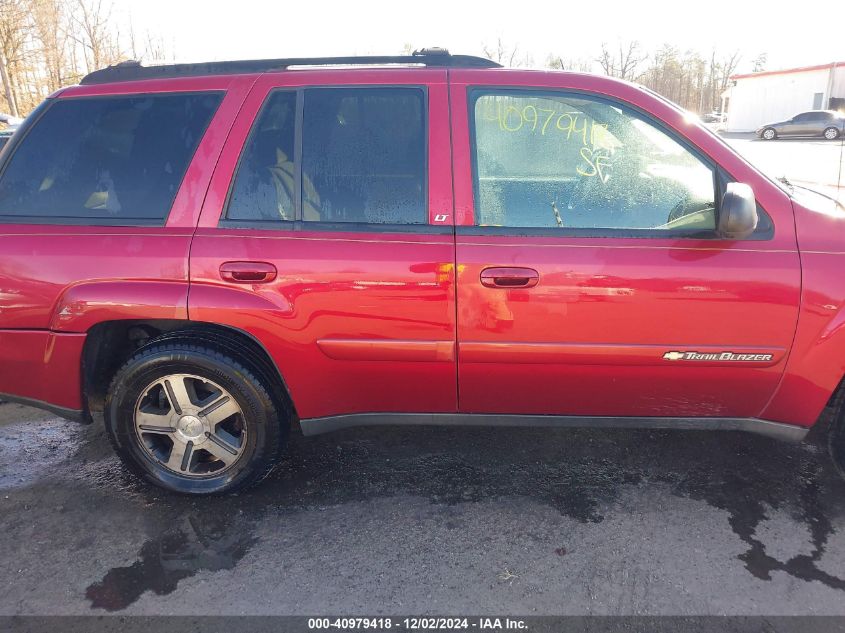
(362, 159)
(105, 160)
(363, 156)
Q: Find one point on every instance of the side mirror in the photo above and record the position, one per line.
(738, 212)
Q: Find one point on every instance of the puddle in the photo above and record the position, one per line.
(795, 479)
(803, 566)
(201, 543)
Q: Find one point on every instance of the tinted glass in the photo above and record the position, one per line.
(363, 155)
(106, 159)
(264, 187)
(573, 162)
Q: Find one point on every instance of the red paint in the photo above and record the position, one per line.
(43, 366)
(402, 322)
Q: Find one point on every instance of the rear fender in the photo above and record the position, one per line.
(82, 306)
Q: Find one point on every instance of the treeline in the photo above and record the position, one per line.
(693, 80)
(47, 44)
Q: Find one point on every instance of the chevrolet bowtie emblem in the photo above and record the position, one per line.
(673, 356)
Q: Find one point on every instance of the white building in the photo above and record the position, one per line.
(775, 95)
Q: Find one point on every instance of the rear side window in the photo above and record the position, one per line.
(363, 159)
(573, 162)
(106, 160)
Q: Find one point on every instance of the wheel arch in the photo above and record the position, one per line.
(109, 344)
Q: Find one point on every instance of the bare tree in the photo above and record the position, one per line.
(759, 63)
(502, 53)
(13, 34)
(95, 33)
(580, 64)
(728, 67)
(624, 64)
(49, 19)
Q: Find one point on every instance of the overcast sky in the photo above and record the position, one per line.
(199, 30)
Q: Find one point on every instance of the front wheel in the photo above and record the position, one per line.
(193, 420)
(831, 133)
(769, 134)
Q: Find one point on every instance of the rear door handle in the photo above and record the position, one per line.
(509, 277)
(247, 272)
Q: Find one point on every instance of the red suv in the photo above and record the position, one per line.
(209, 253)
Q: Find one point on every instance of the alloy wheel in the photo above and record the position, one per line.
(190, 425)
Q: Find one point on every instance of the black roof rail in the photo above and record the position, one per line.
(134, 71)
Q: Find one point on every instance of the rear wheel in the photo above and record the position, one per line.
(191, 419)
(831, 133)
(769, 134)
(836, 444)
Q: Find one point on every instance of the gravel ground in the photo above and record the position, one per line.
(429, 520)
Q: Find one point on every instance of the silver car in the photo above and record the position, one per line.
(826, 123)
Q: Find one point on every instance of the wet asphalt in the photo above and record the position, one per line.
(429, 521)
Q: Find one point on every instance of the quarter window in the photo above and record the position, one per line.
(106, 160)
(567, 161)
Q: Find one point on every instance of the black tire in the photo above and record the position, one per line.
(266, 423)
(772, 134)
(836, 441)
(831, 133)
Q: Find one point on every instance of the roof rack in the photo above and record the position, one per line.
(134, 71)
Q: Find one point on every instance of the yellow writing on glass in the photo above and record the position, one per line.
(596, 163)
(597, 143)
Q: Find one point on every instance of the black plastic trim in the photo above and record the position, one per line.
(134, 71)
(514, 231)
(75, 415)
(340, 227)
(75, 221)
(777, 430)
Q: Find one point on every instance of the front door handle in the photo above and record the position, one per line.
(509, 277)
(247, 272)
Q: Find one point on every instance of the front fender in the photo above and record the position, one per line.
(816, 362)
